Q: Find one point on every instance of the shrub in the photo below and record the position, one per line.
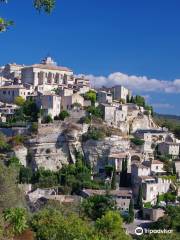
(64, 114)
(95, 134)
(95, 111)
(13, 161)
(137, 141)
(47, 119)
(34, 127)
(96, 206)
(19, 101)
(17, 140)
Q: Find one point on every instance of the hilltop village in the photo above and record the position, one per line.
(73, 142)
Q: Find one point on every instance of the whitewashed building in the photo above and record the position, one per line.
(9, 93)
(104, 97)
(49, 103)
(169, 148)
(46, 74)
(120, 92)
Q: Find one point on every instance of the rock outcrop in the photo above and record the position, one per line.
(96, 152)
(54, 145)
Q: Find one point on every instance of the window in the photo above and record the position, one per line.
(4, 92)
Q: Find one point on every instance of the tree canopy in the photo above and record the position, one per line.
(40, 5)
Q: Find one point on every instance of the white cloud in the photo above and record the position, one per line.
(162, 105)
(136, 83)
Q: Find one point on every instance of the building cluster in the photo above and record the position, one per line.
(55, 88)
(52, 87)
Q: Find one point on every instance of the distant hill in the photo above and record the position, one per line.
(167, 116)
(172, 122)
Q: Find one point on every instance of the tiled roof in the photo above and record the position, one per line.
(119, 192)
(12, 86)
(118, 155)
(51, 67)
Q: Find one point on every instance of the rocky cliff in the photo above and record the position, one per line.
(54, 145)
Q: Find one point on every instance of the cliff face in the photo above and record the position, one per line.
(142, 122)
(96, 152)
(54, 145)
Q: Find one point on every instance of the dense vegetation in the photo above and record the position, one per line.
(141, 102)
(51, 223)
(137, 141)
(90, 95)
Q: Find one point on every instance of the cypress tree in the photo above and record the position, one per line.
(125, 173)
(140, 200)
(158, 200)
(122, 175)
(131, 212)
(113, 181)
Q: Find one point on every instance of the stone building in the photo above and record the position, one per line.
(46, 74)
(104, 97)
(169, 148)
(177, 168)
(141, 175)
(8, 110)
(115, 159)
(9, 93)
(153, 214)
(113, 115)
(68, 101)
(49, 103)
(122, 196)
(120, 92)
(156, 166)
(152, 135)
(12, 71)
(82, 85)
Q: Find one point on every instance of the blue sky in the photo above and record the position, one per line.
(114, 39)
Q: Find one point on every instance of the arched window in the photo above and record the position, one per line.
(49, 78)
(40, 78)
(56, 79)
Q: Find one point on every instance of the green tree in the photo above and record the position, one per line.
(158, 200)
(140, 101)
(14, 162)
(95, 134)
(25, 175)
(51, 224)
(96, 206)
(30, 110)
(17, 218)
(91, 95)
(19, 101)
(64, 114)
(137, 141)
(113, 181)
(41, 5)
(131, 212)
(47, 119)
(95, 112)
(140, 200)
(123, 174)
(110, 226)
(108, 170)
(10, 195)
(4, 146)
(174, 213)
